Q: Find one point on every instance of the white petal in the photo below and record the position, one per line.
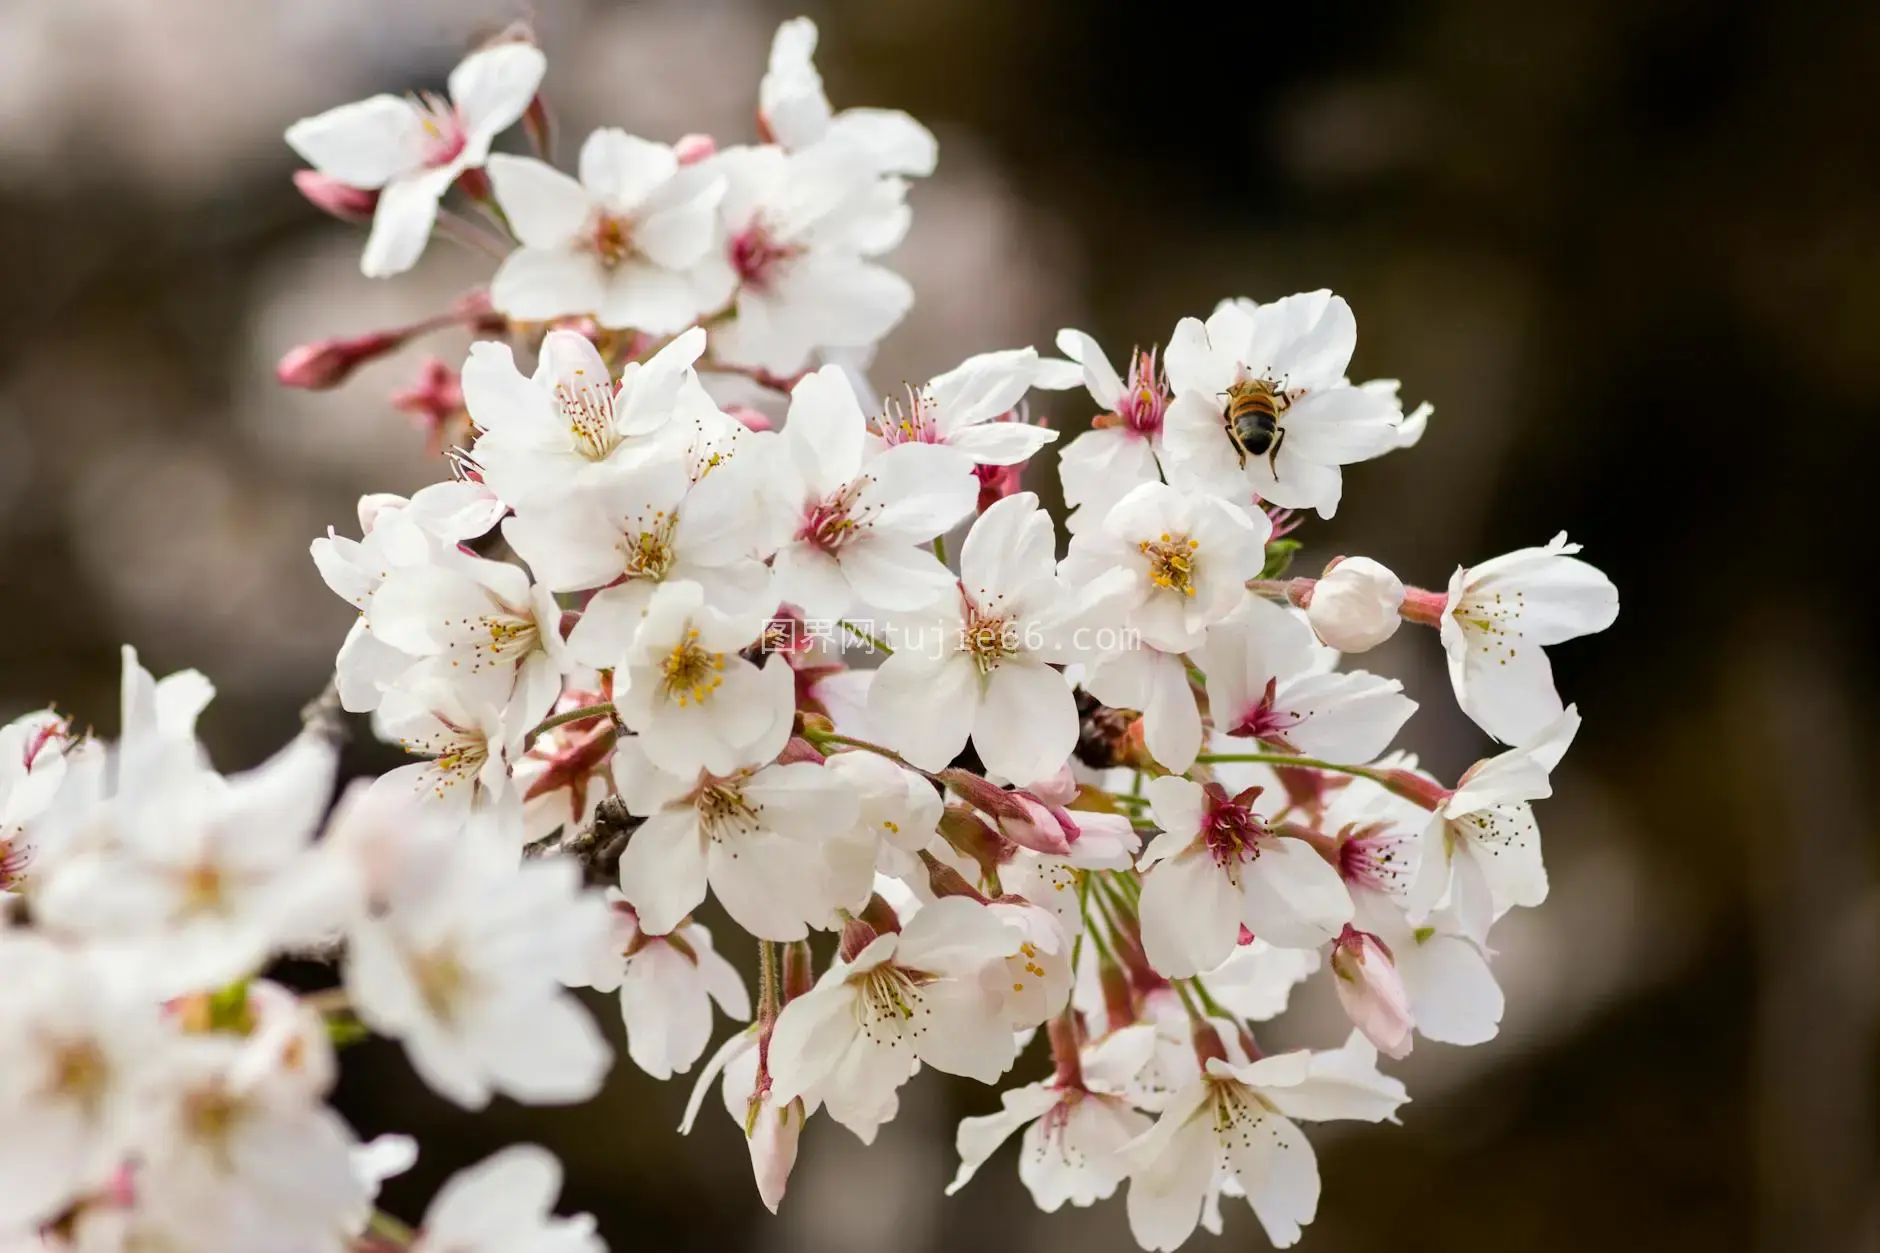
(982, 387)
(1099, 376)
(979, 1138)
(537, 284)
(1453, 994)
(1027, 725)
(662, 871)
(625, 169)
(366, 144)
(1505, 684)
(887, 573)
(1276, 1166)
(493, 87)
(1292, 897)
(1190, 915)
(1000, 443)
(925, 707)
(545, 206)
(401, 225)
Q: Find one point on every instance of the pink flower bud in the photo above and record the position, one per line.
(539, 125)
(691, 149)
(1039, 829)
(1354, 607)
(328, 362)
(998, 482)
(1060, 789)
(347, 203)
(773, 1139)
(1371, 991)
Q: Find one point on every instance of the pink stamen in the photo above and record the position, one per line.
(1231, 830)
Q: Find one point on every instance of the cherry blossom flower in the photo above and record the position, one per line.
(1217, 866)
(499, 634)
(917, 996)
(566, 426)
(78, 1036)
(504, 1204)
(1500, 615)
(1237, 1122)
(1118, 453)
(209, 873)
(959, 408)
(468, 743)
(1285, 361)
(1264, 683)
(981, 668)
(411, 150)
(796, 113)
(394, 532)
(637, 530)
(799, 230)
(1188, 557)
(623, 244)
(1483, 849)
(1178, 563)
(858, 520)
(667, 985)
(1354, 607)
(778, 844)
(460, 961)
(681, 684)
(1074, 1129)
(250, 1152)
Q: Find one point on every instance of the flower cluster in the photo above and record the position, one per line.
(677, 628)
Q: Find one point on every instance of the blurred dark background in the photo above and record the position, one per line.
(1630, 251)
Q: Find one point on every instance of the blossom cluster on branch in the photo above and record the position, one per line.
(654, 640)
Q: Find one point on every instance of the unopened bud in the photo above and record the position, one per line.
(1372, 992)
(329, 362)
(1039, 830)
(691, 149)
(987, 797)
(944, 880)
(969, 836)
(341, 200)
(539, 125)
(1354, 607)
(773, 1139)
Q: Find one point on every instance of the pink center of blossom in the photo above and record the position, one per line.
(46, 734)
(986, 635)
(1373, 858)
(918, 423)
(444, 133)
(1145, 398)
(830, 523)
(1231, 830)
(609, 238)
(759, 258)
(1264, 721)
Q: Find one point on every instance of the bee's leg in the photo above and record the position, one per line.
(1272, 456)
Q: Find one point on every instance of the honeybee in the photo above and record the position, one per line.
(1253, 409)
